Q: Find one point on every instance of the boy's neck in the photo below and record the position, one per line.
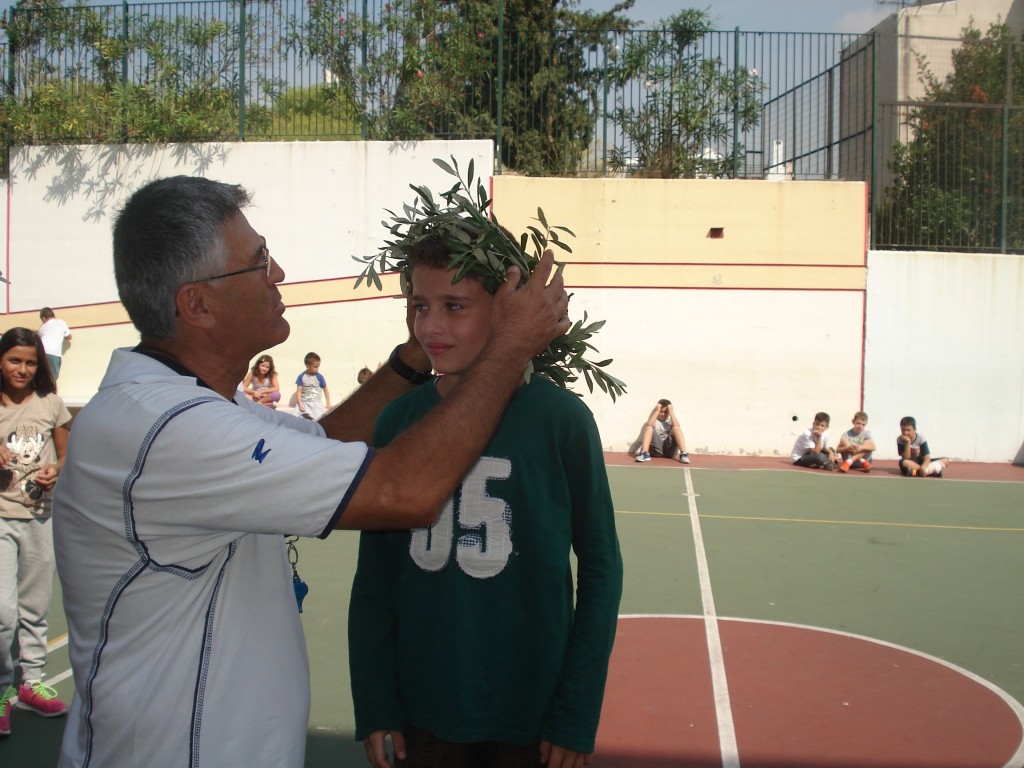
(445, 383)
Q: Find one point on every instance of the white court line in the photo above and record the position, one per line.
(719, 683)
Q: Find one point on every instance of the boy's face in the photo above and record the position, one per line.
(858, 426)
(908, 432)
(312, 367)
(453, 322)
(819, 427)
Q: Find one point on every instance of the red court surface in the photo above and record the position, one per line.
(799, 698)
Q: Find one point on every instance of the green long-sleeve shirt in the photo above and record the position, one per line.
(471, 629)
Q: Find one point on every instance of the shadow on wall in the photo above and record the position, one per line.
(1019, 459)
(104, 174)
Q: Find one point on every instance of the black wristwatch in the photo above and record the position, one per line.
(407, 372)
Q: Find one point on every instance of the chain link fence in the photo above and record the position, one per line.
(565, 102)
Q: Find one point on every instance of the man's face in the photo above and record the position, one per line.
(248, 308)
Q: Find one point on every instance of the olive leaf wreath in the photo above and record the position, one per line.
(480, 248)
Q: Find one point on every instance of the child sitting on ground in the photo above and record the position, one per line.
(915, 456)
(856, 446)
(811, 448)
(661, 435)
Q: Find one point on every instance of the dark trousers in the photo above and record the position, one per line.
(427, 751)
(813, 460)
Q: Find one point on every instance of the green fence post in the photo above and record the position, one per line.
(604, 109)
(1005, 151)
(241, 70)
(10, 96)
(363, 125)
(875, 154)
(736, 102)
(1004, 185)
(124, 68)
(501, 84)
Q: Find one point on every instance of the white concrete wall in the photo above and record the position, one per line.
(945, 344)
(786, 315)
(317, 203)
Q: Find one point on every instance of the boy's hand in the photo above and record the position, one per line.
(554, 756)
(524, 320)
(376, 748)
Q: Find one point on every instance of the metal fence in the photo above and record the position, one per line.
(338, 69)
(580, 102)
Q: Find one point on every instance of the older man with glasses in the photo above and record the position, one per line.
(176, 492)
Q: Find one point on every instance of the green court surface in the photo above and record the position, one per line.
(933, 566)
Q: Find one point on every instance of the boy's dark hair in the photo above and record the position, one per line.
(311, 357)
(431, 252)
(860, 415)
(908, 421)
(45, 313)
(822, 416)
(665, 401)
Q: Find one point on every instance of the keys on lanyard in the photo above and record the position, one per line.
(301, 588)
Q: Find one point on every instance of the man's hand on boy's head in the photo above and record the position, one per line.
(526, 319)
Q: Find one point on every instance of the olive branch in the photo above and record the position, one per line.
(478, 246)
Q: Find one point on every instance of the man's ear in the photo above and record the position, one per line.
(191, 306)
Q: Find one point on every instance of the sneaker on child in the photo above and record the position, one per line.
(643, 456)
(684, 457)
(41, 699)
(5, 710)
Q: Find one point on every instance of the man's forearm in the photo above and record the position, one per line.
(407, 483)
(354, 419)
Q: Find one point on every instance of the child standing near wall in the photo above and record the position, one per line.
(811, 448)
(856, 446)
(468, 644)
(915, 456)
(312, 392)
(34, 429)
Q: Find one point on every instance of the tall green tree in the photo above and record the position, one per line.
(423, 68)
(683, 126)
(947, 181)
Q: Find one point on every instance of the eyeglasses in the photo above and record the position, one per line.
(265, 264)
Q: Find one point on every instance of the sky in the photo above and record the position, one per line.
(753, 15)
(767, 15)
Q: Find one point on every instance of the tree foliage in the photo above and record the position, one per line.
(423, 69)
(947, 179)
(691, 103)
(69, 83)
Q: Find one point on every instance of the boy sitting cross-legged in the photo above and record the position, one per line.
(467, 642)
(811, 448)
(856, 446)
(915, 455)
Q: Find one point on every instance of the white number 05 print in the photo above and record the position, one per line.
(483, 549)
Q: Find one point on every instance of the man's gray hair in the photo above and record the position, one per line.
(169, 233)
